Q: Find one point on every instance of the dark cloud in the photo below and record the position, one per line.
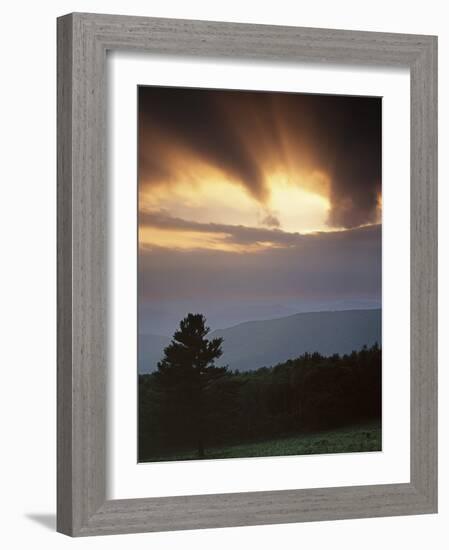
(243, 235)
(242, 132)
(271, 220)
(196, 121)
(237, 234)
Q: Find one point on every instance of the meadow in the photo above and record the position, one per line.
(360, 438)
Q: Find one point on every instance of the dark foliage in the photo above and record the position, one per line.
(189, 403)
(184, 380)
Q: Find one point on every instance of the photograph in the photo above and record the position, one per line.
(259, 274)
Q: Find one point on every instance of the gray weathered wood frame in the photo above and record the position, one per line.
(83, 40)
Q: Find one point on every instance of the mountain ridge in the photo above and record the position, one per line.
(295, 315)
(253, 344)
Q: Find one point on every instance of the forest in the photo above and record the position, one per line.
(189, 407)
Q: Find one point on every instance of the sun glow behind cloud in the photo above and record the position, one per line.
(299, 209)
(209, 196)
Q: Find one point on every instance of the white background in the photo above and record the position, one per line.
(27, 290)
(129, 479)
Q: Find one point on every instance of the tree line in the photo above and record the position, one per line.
(189, 403)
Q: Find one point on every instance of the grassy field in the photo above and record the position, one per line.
(344, 440)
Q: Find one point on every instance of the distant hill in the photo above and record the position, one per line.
(255, 344)
(264, 343)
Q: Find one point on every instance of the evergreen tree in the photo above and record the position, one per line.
(186, 374)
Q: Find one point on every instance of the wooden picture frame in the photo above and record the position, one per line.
(83, 40)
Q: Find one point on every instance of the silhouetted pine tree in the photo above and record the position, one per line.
(186, 374)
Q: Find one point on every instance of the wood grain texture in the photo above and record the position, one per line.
(83, 40)
(64, 277)
(424, 252)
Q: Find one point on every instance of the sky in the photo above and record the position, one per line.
(255, 205)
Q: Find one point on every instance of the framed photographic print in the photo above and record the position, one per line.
(246, 274)
(259, 216)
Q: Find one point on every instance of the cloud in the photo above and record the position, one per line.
(271, 221)
(243, 235)
(199, 124)
(235, 234)
(249, 135)
(320, 266)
